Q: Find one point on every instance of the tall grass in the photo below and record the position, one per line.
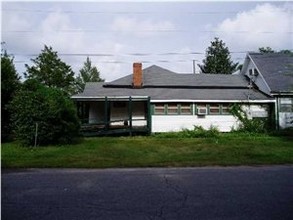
(154, 151)
(196, 132)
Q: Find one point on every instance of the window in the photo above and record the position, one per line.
(225, 109)
(214, 109)
(255, 72)
(286, 105)
(250, 72)
(172, 109)
(185, 109)
(159, 109)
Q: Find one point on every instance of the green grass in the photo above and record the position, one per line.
(153, 151)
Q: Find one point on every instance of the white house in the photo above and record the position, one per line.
(272, 73)
(158, 100)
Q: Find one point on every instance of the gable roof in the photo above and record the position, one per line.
(162, 84)
(96, 91)
(276, 69)
(155, 76)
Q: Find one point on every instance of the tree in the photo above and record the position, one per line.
(9, 84)
(51, 71)
(218, 59)
(46, 110)
(88, 73)
(266, 50)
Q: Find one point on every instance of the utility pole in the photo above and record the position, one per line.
(193, 61)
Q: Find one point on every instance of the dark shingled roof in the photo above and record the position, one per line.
(155, 76)
(277, 70)
(162, 84)
(97, 90)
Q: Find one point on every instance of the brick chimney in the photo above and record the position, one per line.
(137, 76)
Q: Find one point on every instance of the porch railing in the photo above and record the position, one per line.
(114, 127)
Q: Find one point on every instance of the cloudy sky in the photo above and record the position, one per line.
(116, 34)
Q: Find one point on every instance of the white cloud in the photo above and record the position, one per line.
(143, 28)
(265, 25)
(47, 32)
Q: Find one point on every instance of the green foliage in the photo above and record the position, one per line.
(255, 125)
(51, 71)
(266, 50)
(286, 52)
(9, 85)
(49, 108)
(218, 59)
(270, 50)
(196, 132)
(88, 73)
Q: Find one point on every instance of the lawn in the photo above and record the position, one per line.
(153, 151)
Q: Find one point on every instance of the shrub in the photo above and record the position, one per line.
(53, 112)
(196, 132)
(9, 85)
(255, 125)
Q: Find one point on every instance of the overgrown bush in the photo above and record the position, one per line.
(254, 125)
(196, 132)
(48, 109)
(9, 85)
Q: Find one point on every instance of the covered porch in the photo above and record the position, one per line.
(114, 115)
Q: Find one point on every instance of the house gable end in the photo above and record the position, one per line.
(254, 73)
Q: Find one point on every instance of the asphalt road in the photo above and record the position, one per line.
(152, 193)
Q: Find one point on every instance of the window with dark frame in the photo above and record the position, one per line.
(185, 109)
(159, 109)
(172, 109)
(226, 109)
(286, 105)
(214, 109)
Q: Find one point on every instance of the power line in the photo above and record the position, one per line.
(128, 12)
(125, 54)
(146, 31)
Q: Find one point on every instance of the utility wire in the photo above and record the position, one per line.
(127, 12)
(124, 54)
(145, 31)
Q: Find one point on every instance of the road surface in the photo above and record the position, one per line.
(264, 192)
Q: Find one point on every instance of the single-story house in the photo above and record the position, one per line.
(272, 73)
(155, 99)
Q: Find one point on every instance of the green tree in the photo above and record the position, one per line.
(9, 85)
(45, 109)
(266, 50)
(51, 71)
(286, 52)
(88, 73)
(218, 59)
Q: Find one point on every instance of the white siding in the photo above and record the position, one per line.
(255, 111)
(258, 80)
(167, 123)
(285, 119)
(225, 123)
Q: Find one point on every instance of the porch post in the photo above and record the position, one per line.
(149, 115)
(130, 115)
(106, 114)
